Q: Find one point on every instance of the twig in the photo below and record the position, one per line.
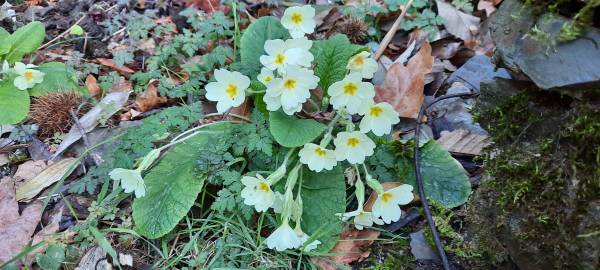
(61, 34)
(417, 157)
(390, 34)
(86, 142)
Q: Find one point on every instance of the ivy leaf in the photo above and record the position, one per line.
(323, 195)
(253, 41)
(444, 178)
(331, 58)
(290, 131)
(26, 40)
(14, 103)
(57, 77)
(172, 187)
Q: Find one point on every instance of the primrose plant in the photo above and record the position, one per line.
(289, 78)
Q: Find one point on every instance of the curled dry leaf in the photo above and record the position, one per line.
(349, 249)
(92, 85)
(150, 99)
(47, 177)
(208, 6)
(111, 64)
(403, 85)
(243, 110)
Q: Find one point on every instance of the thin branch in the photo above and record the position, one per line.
(390, 34)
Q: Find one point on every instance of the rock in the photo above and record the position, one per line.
(478, 68)
(420, 249)
(454, 113)
(548, 63)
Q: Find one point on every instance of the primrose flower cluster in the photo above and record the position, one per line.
(288, 76)
(27, 75)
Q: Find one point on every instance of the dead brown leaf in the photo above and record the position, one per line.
(243, 110)
(349, 249)
(150, 99)
(92, 85)
(109, 63)
(123, 85)
(458, 23)
(15, 229)
(208, 6)
(462, 141)
(444, 49)
(403, 85)
(29, 170)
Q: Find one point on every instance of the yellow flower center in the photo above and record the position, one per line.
(320, 152)
(350, 89)
(296, 17)
(375, 111)
(353, 142)
(231, 91)
(359, 60)
(386, 197)
(264, 187)
(279, 59)
(289, 84)
(28, 75)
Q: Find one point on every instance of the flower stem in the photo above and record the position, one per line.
(372, 183)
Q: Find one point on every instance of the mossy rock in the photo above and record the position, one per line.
(538, 206)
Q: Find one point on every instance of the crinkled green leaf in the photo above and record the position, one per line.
(444, 178)
(14, 103)
(57, 77)
(26, 40)
(52, 259)
(331, 58)
(172, 186)
(253, 41)
(290, 131)
(323, 195)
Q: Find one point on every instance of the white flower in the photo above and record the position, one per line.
(363, 64)
(131, 181)
(303, 237)
(351, 92)
(291, 90)
(317, 158)
(228, 90)
(362, 219)
(378, 118)
(299, 20)
(265, 76)
(257, 192)
(27, 77)
(387, 204)
(283, 238)
(281, 54)
(278, 203)
(353, 146)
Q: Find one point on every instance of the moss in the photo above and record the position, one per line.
(394, 256)
(581, 13)
(538, 189)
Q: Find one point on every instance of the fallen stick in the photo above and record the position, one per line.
(390, 34)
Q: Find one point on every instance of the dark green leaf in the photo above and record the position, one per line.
(14, 103)
(57, 77)
(26, 40)
(331, 58)
(323, 195)
(290, 131)
(52, 259)
(253, 41)
(172, 187)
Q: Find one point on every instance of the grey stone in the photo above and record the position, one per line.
(478, 68)
(455, 113)
(420, 249)
(549, 64)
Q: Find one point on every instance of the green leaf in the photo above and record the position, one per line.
(14, 103)
(444, 179)
(76, 30)
(57, 77)
(103, 243)
(26, 40)
(323, 195)
(331, 58)
(290, 131)
(52, 259)
(4, 42)
(172, 186)
(253, 41)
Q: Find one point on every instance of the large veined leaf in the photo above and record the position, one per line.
(4, 41)
(290, 131)
(26, 40)
(14, 103)
(444, 179)
(323, 195)
(57, 77)
(331, 58)
(253, 41)
(172, 187)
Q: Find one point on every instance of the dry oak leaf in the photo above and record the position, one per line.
(92, 85)
(208, 6)
(403, 85)
(348, 249)
(111, 64)
(458, 23)
(15, 229)
(150, 99)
